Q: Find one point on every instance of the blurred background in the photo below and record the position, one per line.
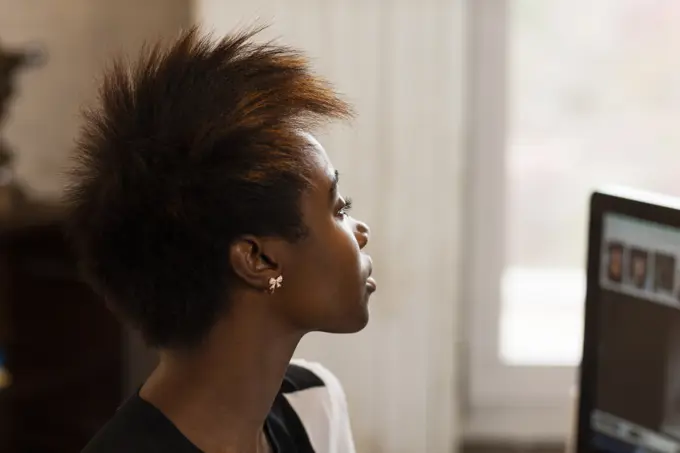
(483, 127)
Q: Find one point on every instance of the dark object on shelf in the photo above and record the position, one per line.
(10, 62)
(63, 348)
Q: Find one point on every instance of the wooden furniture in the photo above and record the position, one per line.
(63, 348)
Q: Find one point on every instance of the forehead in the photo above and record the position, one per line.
(323, 172)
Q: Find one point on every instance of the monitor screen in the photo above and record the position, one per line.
(635, 403)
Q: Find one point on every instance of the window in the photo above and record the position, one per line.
(565, 96)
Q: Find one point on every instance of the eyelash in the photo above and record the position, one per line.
(346, 207)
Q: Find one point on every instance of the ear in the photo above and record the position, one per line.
(256, 260)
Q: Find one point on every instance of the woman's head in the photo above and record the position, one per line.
(197, 182)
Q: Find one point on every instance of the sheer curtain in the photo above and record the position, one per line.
(400, 63)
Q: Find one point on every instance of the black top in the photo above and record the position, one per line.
(139, 427)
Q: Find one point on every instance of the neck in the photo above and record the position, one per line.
(219, 395)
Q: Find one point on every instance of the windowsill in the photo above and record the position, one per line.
(522, 424)
(545, 304)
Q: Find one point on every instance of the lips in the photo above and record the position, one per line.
(370, 284)
(370, 281)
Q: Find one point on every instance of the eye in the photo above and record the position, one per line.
(345, 208)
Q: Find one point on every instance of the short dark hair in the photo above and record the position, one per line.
(187, 149)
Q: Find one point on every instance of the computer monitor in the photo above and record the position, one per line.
(630, 370)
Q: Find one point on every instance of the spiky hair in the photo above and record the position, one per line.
(188, 148)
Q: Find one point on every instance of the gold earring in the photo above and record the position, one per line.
(275, 283)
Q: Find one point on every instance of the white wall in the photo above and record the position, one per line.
(79, 36)
(400, 62)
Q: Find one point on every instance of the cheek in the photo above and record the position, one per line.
(348, 279)
(330, 267)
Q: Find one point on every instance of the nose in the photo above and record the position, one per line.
(362, 232)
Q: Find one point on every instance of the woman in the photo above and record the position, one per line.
(209, 218)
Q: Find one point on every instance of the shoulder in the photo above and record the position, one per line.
(318, 399)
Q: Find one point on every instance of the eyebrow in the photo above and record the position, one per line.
(334, 185)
